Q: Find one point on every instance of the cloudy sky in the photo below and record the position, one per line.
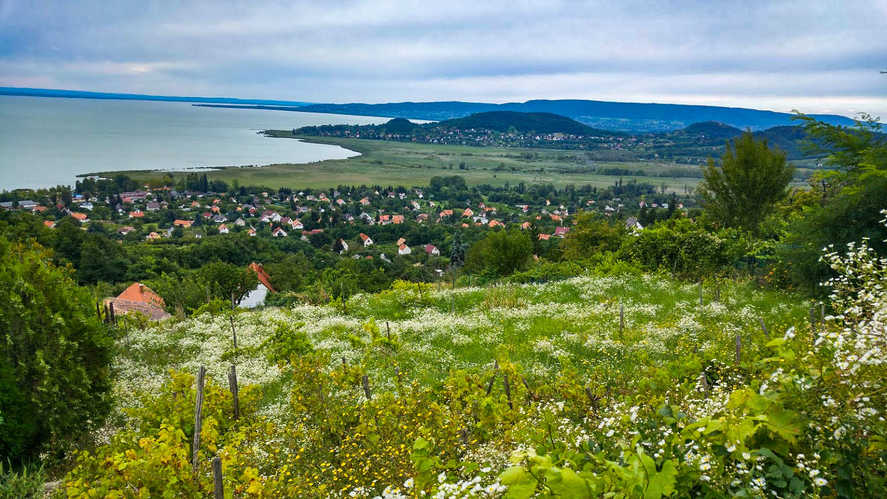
(812, 55)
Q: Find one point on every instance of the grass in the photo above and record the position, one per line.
(408, 164)
(541, 327)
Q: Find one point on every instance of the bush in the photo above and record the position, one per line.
(686, 249)
(25, 482)
(54, 375)
(500, 253)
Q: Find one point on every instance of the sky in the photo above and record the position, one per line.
(814, 56)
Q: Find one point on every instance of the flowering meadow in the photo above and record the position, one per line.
(599, 385)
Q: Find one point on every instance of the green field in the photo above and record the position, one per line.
(407, 164)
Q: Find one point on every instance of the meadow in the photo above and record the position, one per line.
(411, 164)
(630, 383)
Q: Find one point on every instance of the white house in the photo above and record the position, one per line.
(403, 249)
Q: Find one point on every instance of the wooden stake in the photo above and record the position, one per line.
(703, 380)
(198, 420)
(218, 486)
(365, 381)
(738, 349)
(232, 385)
(508, 391)
(495, 371)
(821, 317)
(763, 326)
(234, 335)
(388, 330)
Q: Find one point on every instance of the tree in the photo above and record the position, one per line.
(741, 191)
(54, 358)
(224, 280)
(845, 203)
(500, 253)
(592, 234)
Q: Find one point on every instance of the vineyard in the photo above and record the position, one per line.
(627, 385)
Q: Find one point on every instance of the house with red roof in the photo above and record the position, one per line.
(367, 241)
(138, 298)
(80, 217)
(257, 296)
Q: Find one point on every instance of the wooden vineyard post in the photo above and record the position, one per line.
(232, 385)
(98, 310)
(495, 371)
(218, 486)
(388, 330)
(703, 382)
(738, 349)
(508, 391)
(198, 420)
(821, 317)
(764, 327)
(365, 381)
(112, 319)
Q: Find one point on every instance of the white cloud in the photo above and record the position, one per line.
(779, 55)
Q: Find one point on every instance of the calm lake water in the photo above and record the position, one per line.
(46, 142)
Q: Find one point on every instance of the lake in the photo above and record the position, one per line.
(48, 141)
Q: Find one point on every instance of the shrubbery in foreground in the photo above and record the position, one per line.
(657, 408)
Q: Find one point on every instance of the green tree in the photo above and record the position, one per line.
(592, 234)
(55, 356)
(500, 253)
(844, 203)
(741, 191)
(224, 280)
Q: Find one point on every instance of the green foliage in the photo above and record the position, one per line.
(742, 190)
(844, 205)
(591, 234)
(686, 249)
(27, 481)
(55, 358)
(287, 342)
(500, 253)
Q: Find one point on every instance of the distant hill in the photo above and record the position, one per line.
(622, 116)
(503, 121)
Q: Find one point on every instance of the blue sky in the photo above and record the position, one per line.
(814, 56)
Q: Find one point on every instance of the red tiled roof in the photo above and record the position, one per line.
(138, 292)
(263, 276)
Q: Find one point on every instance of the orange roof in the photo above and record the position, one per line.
(183, 223)
(136, 214)
(49, 223)
(263, 276)
(138, 292)
(79, 216)
(397, 219)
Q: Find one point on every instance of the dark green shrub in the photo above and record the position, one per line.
(55, 356)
